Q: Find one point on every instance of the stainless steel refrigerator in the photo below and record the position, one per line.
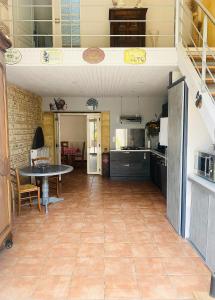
(177, 154)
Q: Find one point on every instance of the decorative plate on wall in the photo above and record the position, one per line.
(93, 55)
(92, 104)
(13, 56)
(51, 56)
(135, 56)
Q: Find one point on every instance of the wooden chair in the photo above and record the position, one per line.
(13, 185)
(53, 180)
(79, 157)
(24, 191)
(64, 144)
(64, 158)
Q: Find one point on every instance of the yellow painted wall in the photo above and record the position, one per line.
(210, 4)
(49, 134)
(105, 131)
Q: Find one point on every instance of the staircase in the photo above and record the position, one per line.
(210, 72)
(196, 60)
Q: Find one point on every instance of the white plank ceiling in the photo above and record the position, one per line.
(91, 80)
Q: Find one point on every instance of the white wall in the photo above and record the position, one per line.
(73, 129)
(147, 107)
(198, 136)
(95, 20)
(200, 121)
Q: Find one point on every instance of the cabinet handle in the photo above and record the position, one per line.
(144, 156)
(126, 165)
(126, 152)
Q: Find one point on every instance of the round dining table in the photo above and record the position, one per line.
(45, 171)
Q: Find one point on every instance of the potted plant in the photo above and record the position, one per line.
(153, 127)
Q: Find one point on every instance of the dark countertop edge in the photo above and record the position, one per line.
(142, 150)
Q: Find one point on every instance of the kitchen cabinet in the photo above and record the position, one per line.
(210, 254)
(153, 159)
(202, 222)
(130, 164)
(158, 171)
(165, 110)
(199, 218)
(164, 179)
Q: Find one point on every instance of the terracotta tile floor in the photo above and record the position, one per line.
(107, 240)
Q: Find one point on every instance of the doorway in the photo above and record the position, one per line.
(78, 141)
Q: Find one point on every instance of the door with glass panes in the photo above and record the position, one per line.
(66, 23)
(94, 144)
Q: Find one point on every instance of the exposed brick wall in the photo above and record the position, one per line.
(24, 116)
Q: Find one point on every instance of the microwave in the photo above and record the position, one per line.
(205, 165)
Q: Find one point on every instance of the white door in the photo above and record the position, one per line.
(56, 23)
(66, 23)
(94, 144)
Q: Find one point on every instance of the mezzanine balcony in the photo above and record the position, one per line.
(84, 23)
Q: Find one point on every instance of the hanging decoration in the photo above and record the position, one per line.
(58, 104)
(92, 104)
(153, 127)
(198, 102)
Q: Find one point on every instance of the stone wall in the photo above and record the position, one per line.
(24, 116)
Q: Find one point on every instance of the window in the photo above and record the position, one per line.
(70, 20)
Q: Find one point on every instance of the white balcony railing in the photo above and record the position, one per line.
(85, 23)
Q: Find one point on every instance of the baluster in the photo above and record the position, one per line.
(204, 48)
(178, 23)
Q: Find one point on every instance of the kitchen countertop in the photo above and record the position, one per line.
(137, 150)
(142, 150)
(204, 182)
(158, 153)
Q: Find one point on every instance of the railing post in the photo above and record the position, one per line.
(178, 23)
(204, 48)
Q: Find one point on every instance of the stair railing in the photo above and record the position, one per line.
(194, 37)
